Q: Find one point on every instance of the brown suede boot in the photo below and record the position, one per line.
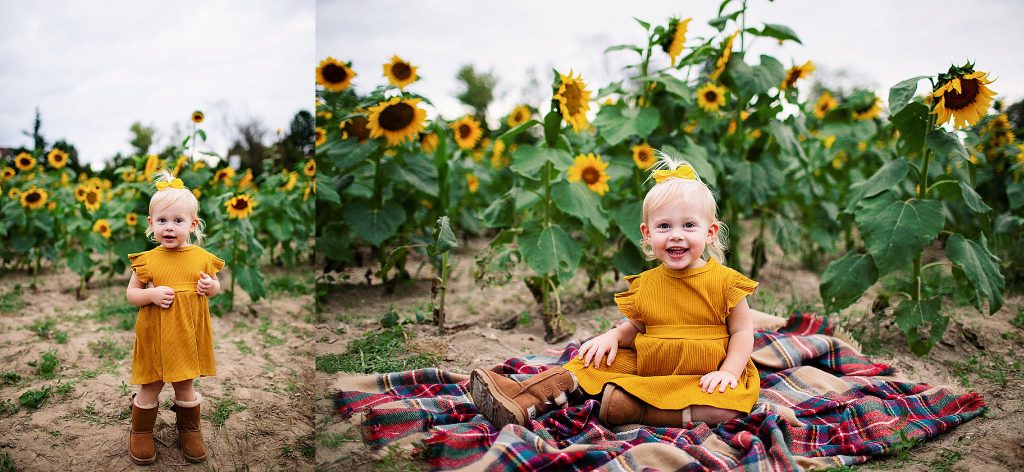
(140, 435)
(189, 433)
(618, 407)
(503, 400)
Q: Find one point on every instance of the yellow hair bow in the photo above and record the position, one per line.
(684, 172)
(176, 183)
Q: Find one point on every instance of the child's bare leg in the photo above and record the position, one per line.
(149, 394)
(184, 391)
(712, 415)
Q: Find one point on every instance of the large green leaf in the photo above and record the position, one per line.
(1015, 193)
(697, 156)
(896, 231)
(846, 279)
(501, 213)
(579, 201)
(922, 324)
(251, 280)
(616, 123)
(419, 174)
(550, 251)
(901, 94)
(783, 134)
(885, 178)
(972, 199)
(445, 236)
(777, 32)
(980, 267)
(946, 145)
(627, 218)
(22, 242)
(675, 87)
(375, 226)
(528, 161)
(628, 260)
(913, 123)
(751, 81)
(749, 183)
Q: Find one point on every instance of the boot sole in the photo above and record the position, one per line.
(138, 461)
(194, 459)
(495, 406)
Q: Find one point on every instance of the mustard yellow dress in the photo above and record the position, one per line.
(175, 343)
(686, 337)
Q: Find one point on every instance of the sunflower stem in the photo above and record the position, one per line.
(743, 26)
(922, 191)
(234, 261)
(547, 194)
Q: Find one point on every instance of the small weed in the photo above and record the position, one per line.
(61, 337)
(107, 348)
(603, 325)
(269, 340)
(306, 450)
(901, 450)
(125, 389)
(222, 409)
(290, 286)
(996, 370)
(120, 310)
(42, 328)
(90, 374)
(243, 347)
(945, 461)
(333, 440)
(11, 301)
(9, 377)
(7, 407)
(34, 399)
(195, 382)
(1018, 320)
(381, 351)
(6, 463)
(524, 319)
(47, 365)
(65, 388)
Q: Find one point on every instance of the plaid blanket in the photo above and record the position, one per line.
(822, 405)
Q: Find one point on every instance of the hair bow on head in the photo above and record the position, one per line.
(684, 172)
(176, 183)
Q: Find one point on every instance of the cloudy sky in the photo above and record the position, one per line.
(93, 68)
(875, 43)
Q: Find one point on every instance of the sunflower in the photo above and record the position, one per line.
(25, 161)
(467, 132)
(152, 165)
(397, 120)
(356, 127)
(240, 206)
(93, 198)
(573, 97)
(472, 182)
(198, 193)
(643, 156)
(334, 75)
(321, 136)
(590, 169)
(310, 168)
(197, 117)
(868, 112)
(711, 97)
(57, 158)
(674, 39)
(429, 142)
(102, 226)
(246, 180)
(225, 176)
(178, 166)
(132, 219)
(399, 72)
(828, 141)
(518, 116)
(8, 173)
(962, 95)
(825, 104)
(499, 158)
(14, 193)
(796, 73)
(293, 177)
(33, 198)
(723, 60)
(198, 165)
(80, 191)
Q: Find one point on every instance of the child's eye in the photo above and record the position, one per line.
(663, 225)
(690, 225)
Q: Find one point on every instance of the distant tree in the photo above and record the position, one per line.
(1015, 113)
(478, 90)
(248, 145)
(298, 145)
(36, 134)
(142, 138)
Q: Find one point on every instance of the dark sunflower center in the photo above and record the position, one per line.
(823, 106)
(58, 157)
(240, 204)
(590, 175)
(644, 156)
(792, 77)
(670, 36)
(959, 101)
(711, 96)
(357, 126)
(319, 134)
(26, 162)
(401, 71)
(518, 117)
(91, 197)
(103, 228)
(572, 98)
(334, 73)
(33, 197)
(465, 131)
(396, 117)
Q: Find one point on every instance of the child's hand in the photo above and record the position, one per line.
(711, 380)
(596, 348)
(204, 284)
(162, 296)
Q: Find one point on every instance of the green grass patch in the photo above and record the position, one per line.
(1018, 320)
(269, 340)
(119, 310)
(993, 368)
(291, 285)
(10, 301)
(107, 348)
(7, 407)
(945, 461)
(47, 365)
(34, 398)
(9, 377)
(6, 463)
(222, 409)
(65, 388)
(377, 351)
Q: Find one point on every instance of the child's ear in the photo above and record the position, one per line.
(149, 220)
(195, 224)
(645, 232)
(712, 231)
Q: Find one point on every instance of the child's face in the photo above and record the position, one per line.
(172, 225)
(677, 233)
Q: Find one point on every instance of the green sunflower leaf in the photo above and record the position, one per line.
(779, 32)
(922, 324)
(913, 123)
(946, 145)
(846, 279)
(550, 251)
(980, 267)
(579, 201)
(885, 178)
(895, 230)
(628, 260)
(375, 226)
(616, 123)
(528, 161)
(627, 219)
(445, 236)
(902, 93)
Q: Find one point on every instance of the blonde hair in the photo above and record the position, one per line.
(678, 189)
(169, 196)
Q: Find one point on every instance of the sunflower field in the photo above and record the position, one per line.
(918, 195)
(88, 222)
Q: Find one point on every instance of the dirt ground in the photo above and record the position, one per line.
(979, 352)
(262, 396)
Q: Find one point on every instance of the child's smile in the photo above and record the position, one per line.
(678, 233)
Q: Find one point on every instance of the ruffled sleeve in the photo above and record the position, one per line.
(739, 287)
(214, 264)
(138, 264)
(627, 300)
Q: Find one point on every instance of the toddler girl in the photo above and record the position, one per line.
(173, 336)
(684, 354)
